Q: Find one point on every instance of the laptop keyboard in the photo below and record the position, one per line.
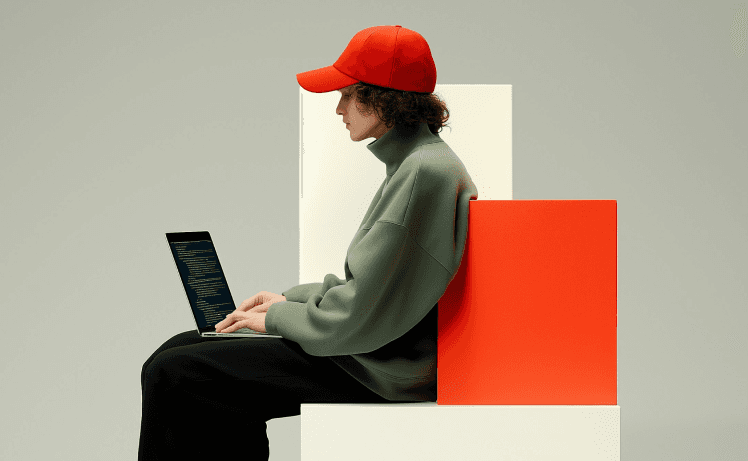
(246, 330)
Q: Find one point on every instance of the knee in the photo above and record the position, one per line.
(165, 357)
(150, 369)
(181, 339)
(162, 369)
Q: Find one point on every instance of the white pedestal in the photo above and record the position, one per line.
(427, 431)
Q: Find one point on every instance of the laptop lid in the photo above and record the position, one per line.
(202, 278)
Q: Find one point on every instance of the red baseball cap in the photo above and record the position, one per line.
(388, 56)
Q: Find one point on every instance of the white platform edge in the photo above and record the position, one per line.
(425, 430)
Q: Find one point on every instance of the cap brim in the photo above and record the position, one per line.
(324, 79)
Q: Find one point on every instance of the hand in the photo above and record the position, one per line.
(240, 319)
(250, 314)
(260, 299)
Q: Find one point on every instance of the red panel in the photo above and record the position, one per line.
(531, 316)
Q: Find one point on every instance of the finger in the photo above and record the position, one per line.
(230, 318)
(248, 303)
(260, 308)
(236, 326)
(225, 321)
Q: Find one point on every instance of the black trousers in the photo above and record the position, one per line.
(213, 396)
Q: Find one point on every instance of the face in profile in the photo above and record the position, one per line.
(359, 125)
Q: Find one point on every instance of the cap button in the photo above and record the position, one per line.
(398, 26)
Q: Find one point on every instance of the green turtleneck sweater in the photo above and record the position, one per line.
(380, 323)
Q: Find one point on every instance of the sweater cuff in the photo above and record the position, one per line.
(273, 317)
(302, 293)
(269, 320)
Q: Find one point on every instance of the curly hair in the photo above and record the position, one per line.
(401, 107)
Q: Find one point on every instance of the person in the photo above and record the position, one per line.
(368, 338)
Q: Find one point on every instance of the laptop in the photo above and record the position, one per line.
(204, 283)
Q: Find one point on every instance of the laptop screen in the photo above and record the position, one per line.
(202, 277)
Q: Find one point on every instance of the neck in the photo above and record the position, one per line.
(400, 141)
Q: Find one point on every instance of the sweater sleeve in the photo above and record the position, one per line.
(301, 293)
(391, 284)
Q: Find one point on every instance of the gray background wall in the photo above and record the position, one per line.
(120, 121)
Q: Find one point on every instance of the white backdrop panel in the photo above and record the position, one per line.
(339, 177)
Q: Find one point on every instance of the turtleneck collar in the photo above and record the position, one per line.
(394, 146)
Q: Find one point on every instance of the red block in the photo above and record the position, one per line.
(531, 316)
